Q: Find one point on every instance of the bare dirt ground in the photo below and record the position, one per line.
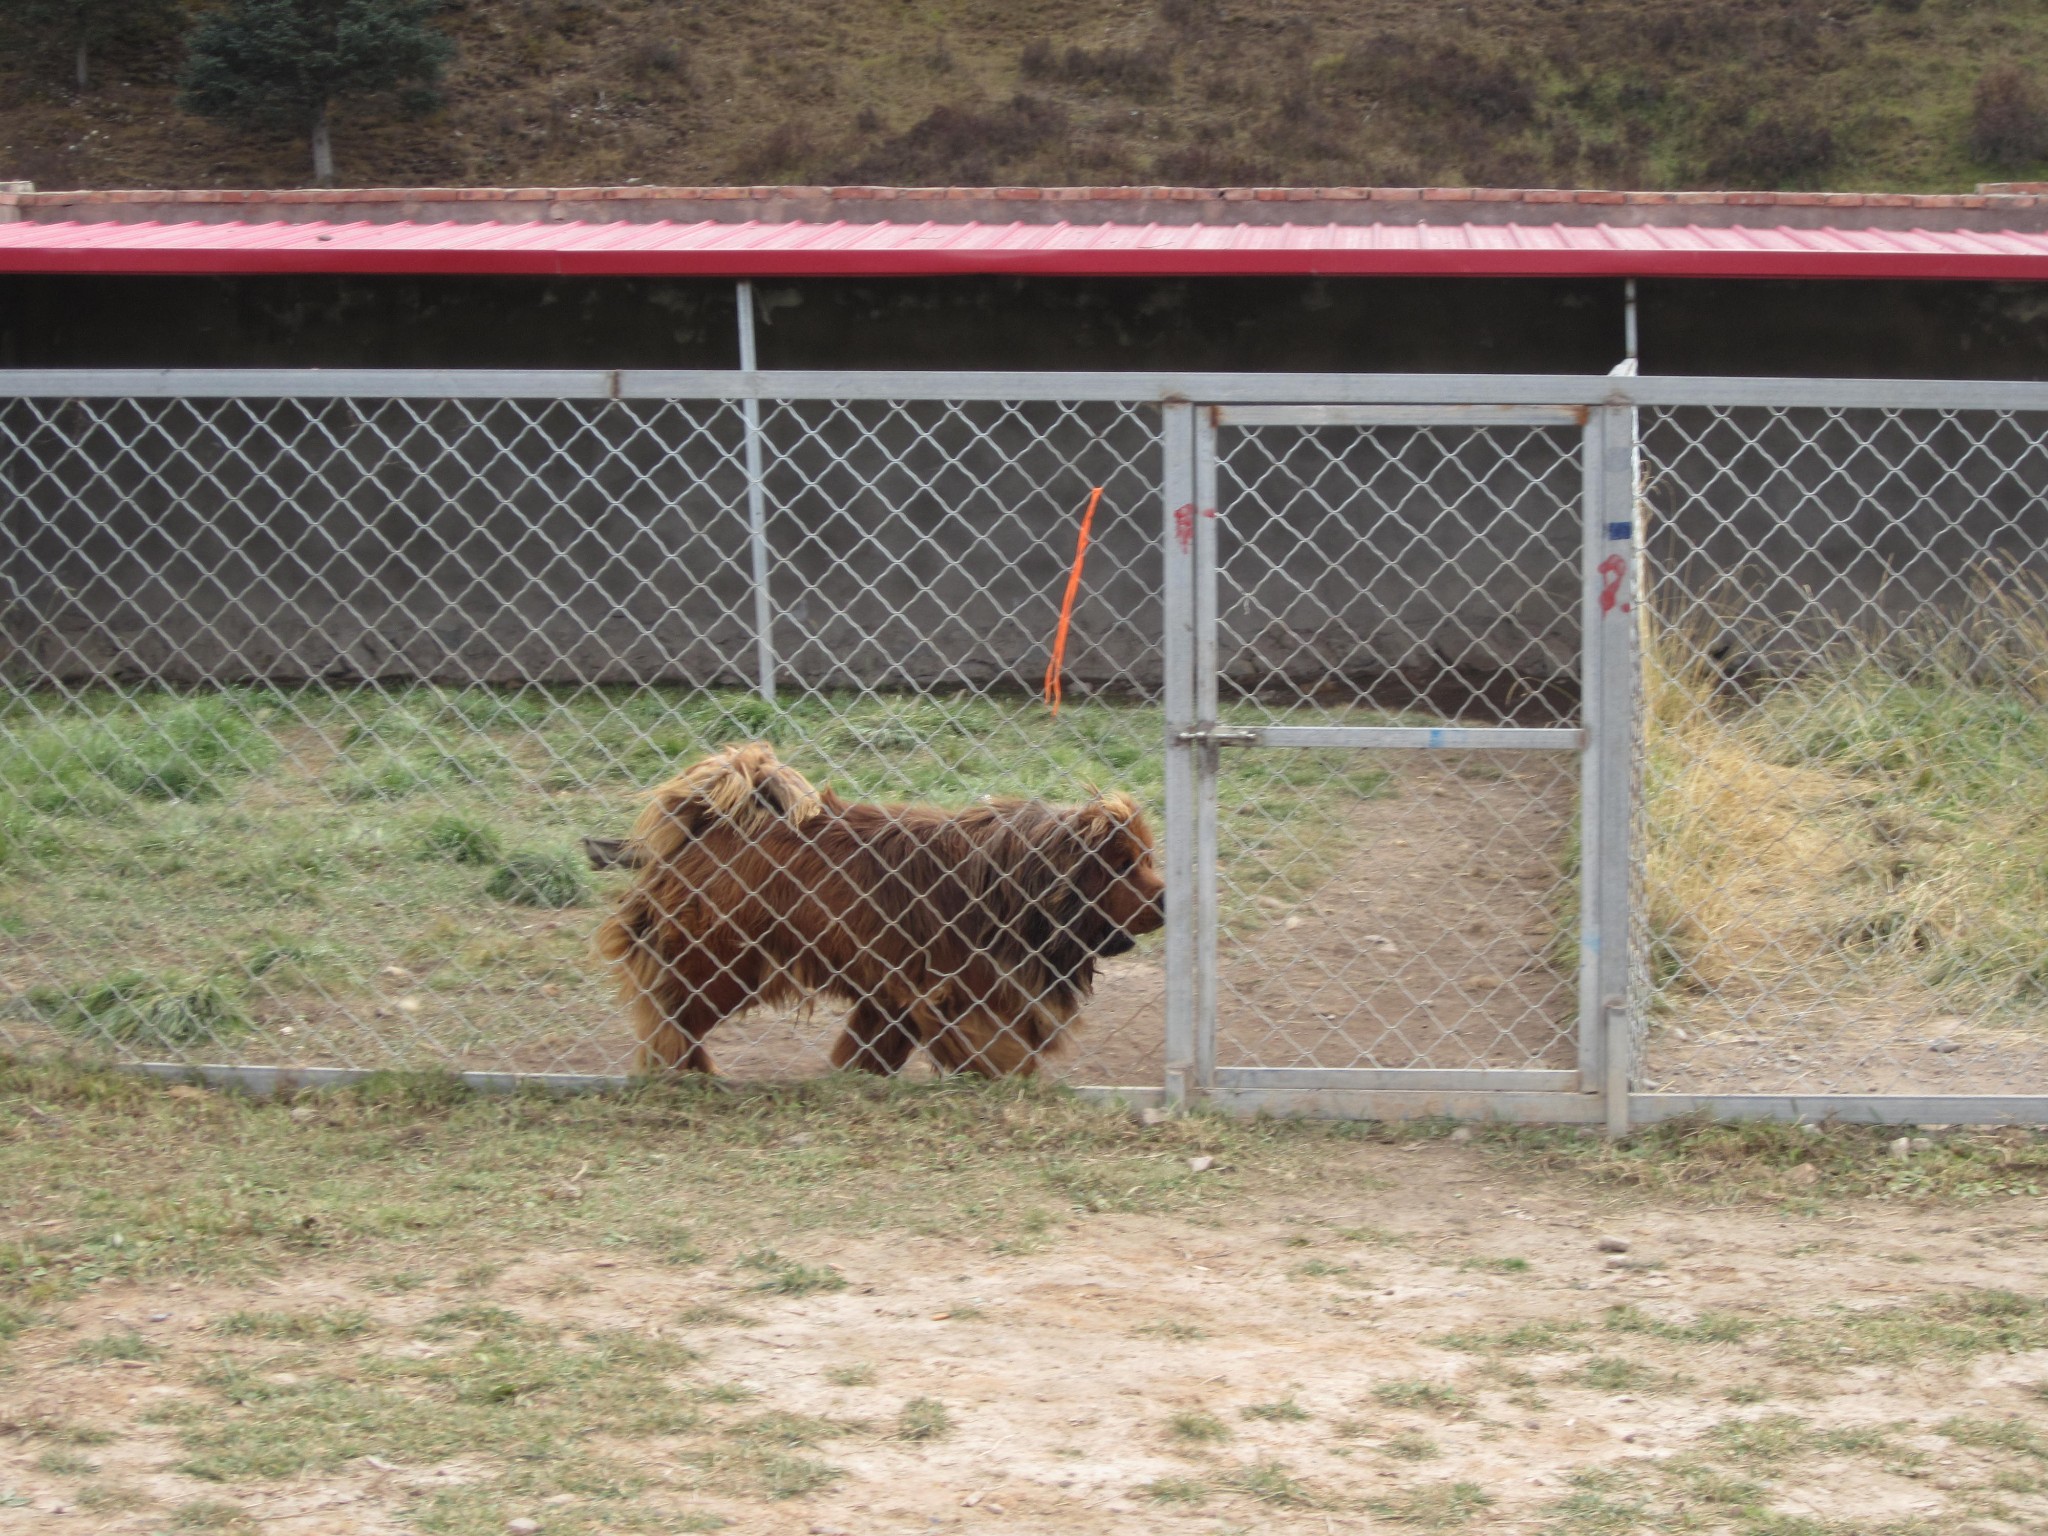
(1418, 1337)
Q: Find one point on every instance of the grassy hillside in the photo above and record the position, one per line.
(1749, 93)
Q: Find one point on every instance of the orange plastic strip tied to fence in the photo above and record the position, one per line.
(1059, 639)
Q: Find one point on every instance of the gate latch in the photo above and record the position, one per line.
(1216, 736)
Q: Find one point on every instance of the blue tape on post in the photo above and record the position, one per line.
(1621, 531)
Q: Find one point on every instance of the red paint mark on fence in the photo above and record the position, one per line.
(1612, 570)
(1184, 527)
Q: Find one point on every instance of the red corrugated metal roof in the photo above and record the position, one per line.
(1061, 250)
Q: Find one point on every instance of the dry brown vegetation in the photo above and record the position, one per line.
(1872, 93)
(1870, 827)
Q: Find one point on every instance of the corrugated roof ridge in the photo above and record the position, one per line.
(2025, 194)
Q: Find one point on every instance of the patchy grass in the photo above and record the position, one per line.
(1435, 1507)
(1422, 1397)
(1509, 1266)
(1707, 1328)
(1197, 1428)
(1613, 1373)
(258, 1184)
(321, 876)
(154, 1015)
(2012, 1436)
(539, 880)
(345, 1323)
(1547, 1338)
(1411, 1445)
(1178, 1333)
(117, 1346)
(1176, 1490)
(923, 1418)
(1868, 825)
(1282, 1411)
(1271, 1481)
(786, 1277)
(509, 1390)
(1714, 1161)
(1955, 1327)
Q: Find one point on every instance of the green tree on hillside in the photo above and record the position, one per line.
(81, 27)
(282, 63)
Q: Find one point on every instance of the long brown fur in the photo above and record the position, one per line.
(973, 934)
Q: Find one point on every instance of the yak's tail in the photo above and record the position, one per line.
(743, 786)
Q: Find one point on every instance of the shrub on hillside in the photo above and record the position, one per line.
(2008, 119)
(1784, 149)
(961, 145)
(1127, 71)
(1446, 81)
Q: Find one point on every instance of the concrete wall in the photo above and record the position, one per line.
(928, 545)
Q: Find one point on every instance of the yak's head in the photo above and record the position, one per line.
(1118, 890)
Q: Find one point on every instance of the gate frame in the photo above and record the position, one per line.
(1597, 1088)
(1607, 398)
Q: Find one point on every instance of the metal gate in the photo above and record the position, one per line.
(1345, 587)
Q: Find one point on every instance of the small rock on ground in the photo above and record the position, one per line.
(1612, 1245)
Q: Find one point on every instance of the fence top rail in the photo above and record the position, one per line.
(1566, 390)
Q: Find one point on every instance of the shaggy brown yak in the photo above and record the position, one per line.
(971, 933)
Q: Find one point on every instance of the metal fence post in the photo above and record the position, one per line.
(1207, 756)
(1607, 685)
(757, 504)
(1176, 548)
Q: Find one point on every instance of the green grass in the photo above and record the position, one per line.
(211, 1515)
(923, 1418)
(1707, 1328)
(151, 1014)
(346, 1323)
(1496, 1266)
(1197, 1428)
(1522, 1339)
(1867, 833)
(1176, 1490)
(458, 840)
(1955, 1327)
(1436, 1507)
(1411, 1445)
(507, 1394)
(539, 880)
(322, 875)
(1282, 1411)
(1712, 1161)
(117, 1346)
(1422, 1396)
(786, 1277)
(1612, 1373)
(2010, 1435)
(416, 1172)
(1271, 1481)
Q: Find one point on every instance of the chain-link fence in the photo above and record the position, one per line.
(1688, 728)
(1845, 814)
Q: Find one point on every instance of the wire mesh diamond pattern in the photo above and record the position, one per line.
(308, 703)
(1845, 756)
(1395, 908)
